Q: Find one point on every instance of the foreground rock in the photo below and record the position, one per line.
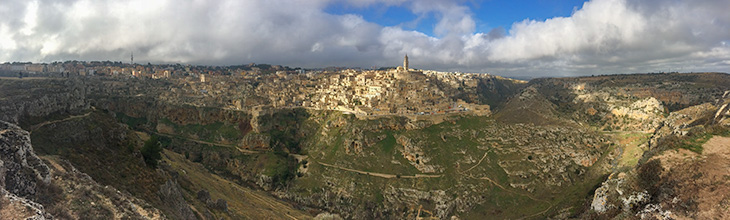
(31, 189)
(21, 173)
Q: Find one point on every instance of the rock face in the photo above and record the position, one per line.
(416, 157)
(30, 189)
(635, 102)
(23, 170)
(722, 116)
(42, 100)
(14, 207)
(639, 110)
(686, 183)
(170, 192)
(400, 196)
(20, 173)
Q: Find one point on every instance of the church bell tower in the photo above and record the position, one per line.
(405, 63)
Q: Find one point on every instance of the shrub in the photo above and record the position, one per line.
(650, 175)
(151, 151)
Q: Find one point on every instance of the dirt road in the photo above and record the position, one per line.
(382, 175)
(35, 127)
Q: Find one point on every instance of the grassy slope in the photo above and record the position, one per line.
(97, 146)
(385, 156)
(243, 203)
(90, 144)
(631, 144)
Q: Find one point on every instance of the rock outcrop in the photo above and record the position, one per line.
(722, 116)
(170, 193)
(41, 100)
(31, 189)
(21, 171)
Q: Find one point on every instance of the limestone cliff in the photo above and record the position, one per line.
(30, 100)
(21, 173)
(30, 189)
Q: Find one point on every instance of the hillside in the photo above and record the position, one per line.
(550, 148)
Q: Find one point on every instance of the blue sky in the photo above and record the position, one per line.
(488, 14)
(504, 37)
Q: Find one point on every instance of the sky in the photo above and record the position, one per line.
(531, 38)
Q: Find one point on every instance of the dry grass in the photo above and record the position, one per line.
(242, 202)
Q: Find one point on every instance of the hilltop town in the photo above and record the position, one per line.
(401, 91)
(359, 144)
(257, 141)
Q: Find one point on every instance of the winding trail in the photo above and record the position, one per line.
(480, 162)
(35, 127)
(522, 194)
(510, 190)
(246, 151)
(550, 205)
(382, 175)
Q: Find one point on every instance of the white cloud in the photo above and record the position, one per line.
(604, 36)
(601, 27)
(620, 36)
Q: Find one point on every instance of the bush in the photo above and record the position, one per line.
(650, 175)
(281, 168)
(151, 151)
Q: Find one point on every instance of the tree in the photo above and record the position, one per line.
(151, 151)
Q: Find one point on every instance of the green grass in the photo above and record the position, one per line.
(243, 202)
(209, 132)
(388, 144)
(280, 168)
(133, 122)
(695, 143)
(499, 203)
(109, 153)
(632, 152)
(446, 144)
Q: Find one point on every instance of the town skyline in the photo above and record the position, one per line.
(534, 38)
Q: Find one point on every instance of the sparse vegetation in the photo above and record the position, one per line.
(281, 168)
(650, 175)
(695, 141)
(537, 158)
(133, 122)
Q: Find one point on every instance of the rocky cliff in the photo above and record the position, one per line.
(21, 173)
(678, 176)
(31, 189)
(540, 155)
(26, 102)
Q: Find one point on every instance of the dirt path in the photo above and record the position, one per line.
(24, 78)
(382, 175)
(508, 189)
(505, 188)
(480, 162)
(35, 127)
(522, 194)
(702, 177)
(209, 143)
(717, 145)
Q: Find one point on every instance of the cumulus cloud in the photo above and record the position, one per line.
(603, 36)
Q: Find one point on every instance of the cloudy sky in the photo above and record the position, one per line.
(503, 37)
